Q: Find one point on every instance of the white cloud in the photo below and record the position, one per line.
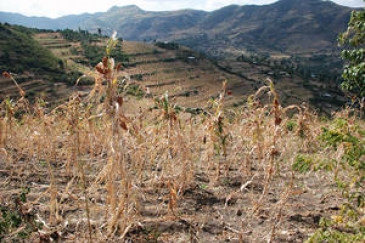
(215, 4)
(59, 8)
(352, 3)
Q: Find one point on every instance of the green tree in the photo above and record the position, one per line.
(354, 54)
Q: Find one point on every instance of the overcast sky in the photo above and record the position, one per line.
(57, 8)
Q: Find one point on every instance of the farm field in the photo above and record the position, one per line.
(173, 147)
(88, 171)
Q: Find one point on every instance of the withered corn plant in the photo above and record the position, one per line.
(96, 170)
(12, 108)
(273, 149)
(219, 134)
(119, 194)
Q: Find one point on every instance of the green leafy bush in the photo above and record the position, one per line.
(354, 40)
(347, 142)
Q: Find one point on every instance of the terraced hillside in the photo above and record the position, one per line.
(34, 67)
(188, 77)
(152, 69)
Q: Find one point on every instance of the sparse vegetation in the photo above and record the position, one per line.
(140, 171)
(100, 168)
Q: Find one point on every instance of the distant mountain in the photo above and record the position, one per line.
(31, 22)
(285, 26)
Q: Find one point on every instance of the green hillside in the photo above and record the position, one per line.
(37, 70)
(20, 52)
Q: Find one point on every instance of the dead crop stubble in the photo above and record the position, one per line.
(87, 172)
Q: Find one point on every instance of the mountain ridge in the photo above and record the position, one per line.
(282, 26)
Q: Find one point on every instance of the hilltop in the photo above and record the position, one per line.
(285, 26)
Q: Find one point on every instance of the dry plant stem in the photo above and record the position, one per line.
(117, 156)
(273, 151)
(53, 188)
(258, 118)
(21, 91)
(172, 197)
(5, 141)
(9, 109)
(268, 176)
(169, 148)
(111, 191)
(125, 185)
(2, 133)
(284, 198)
(270, 168)
(259, 138)
(75, 127)
(8, 125)
(87, 207)
(91, 136)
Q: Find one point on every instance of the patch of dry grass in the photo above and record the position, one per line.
(98, 171)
